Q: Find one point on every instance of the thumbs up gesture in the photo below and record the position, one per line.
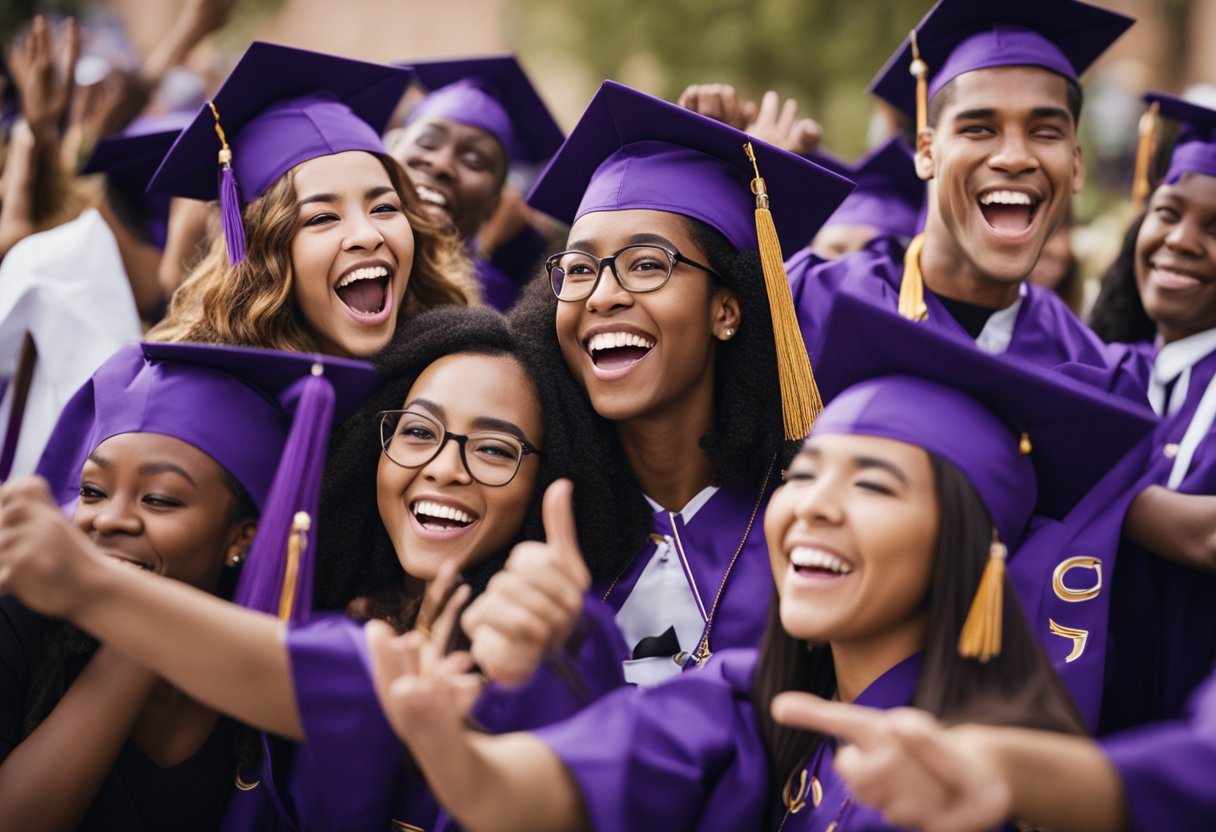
(531, 607)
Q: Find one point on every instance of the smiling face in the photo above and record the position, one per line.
(438, 512)
(638, 354)
(1176, 257)
(1004, 161)
(351, 254)
(161, 504)
(851, 539)
(458, 170)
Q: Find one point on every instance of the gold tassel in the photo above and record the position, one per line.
(225, 150)
(801, 403)
(980, 638)
(296, 544)
(920, 71)
(1144, 155)
(912, 286)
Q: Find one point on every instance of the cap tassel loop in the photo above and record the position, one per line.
(1145, 149)
(270, 582)
(920, 71)
(230, 200)
(980, 638)
(912, 285)
(801, 403)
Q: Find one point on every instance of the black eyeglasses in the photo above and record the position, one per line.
(413, 439)
(573, 275)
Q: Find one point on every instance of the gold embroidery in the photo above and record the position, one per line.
(1071, 594)
(1079, 639)
(816, 792)
(242, 785)
(795, 803)
(402, 826)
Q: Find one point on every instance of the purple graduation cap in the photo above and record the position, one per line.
(492, 94)
(1031, 441)
(128, 159)
(1195, 148)
(888, 195)
(264, 416)
(957, 36)
(279, 107)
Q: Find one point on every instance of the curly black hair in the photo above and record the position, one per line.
(1118, 315)
(748, 431)
(356, 561)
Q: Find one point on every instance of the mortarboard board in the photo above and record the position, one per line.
(630, 150)
(958, 36)
(264, 416)
(1029, 440)
(278, 107)
(888, 195)
(128, 159)
(1195, 148)
(495, 95)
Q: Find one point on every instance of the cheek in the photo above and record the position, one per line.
(778, 517)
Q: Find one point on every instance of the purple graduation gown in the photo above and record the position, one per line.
(709, 544)
(1167, 768)
(497, 290)
(352, 773)
(688, 755)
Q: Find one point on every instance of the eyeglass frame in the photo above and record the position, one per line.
(461, 439)
(673, 258)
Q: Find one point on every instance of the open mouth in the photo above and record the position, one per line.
(431, 196)
(365, 291)
(618, 350)
(818, 563)
(437, 517)
(1008, 212)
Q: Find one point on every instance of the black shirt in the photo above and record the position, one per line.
(969, 316)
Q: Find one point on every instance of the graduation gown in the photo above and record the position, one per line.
(352, 773)
(665, 598)
(688, 755)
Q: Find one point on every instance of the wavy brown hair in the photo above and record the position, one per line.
(252, 303)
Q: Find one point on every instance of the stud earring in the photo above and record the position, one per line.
(236, 559)
(727, 333)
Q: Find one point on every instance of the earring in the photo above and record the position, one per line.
(236, 559)
(727, 333)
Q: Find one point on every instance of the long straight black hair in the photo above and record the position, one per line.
(1018, 687)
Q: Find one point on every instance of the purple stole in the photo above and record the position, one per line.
(710, 544)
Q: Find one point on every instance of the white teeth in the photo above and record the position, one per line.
(807, 558)
(442, 512)
(431, 195)
(613, 340)
(369, 273)
(1006, 198)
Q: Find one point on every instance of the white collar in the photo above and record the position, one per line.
(692, 506)
(1173, 364)
(997, 333)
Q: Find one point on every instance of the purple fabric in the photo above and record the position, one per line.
(468, 104)
(709, 543)
(497, 290)
(1002, 45)
(630, 150)
(1167, 768)
(1195, 148)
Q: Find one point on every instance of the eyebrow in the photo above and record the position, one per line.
(480, 423)
(980, 113)
(371, 193)
(636, 239)
(865, 462)
(156, 467)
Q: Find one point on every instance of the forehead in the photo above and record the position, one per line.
(353, 169)
(911, 459)
(1198, 189)
(1009, 90)
(469, 386)
(127, 451)
(456, 131)
(607, 231)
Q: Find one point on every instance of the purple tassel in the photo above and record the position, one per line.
(296, 488)
(230, 214)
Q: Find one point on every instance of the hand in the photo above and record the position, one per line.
(43, 555)
(531, 607)
(424, 693)
(109, 105)
(44, 69)
(719, 102)
(780, 126)
(904, 763)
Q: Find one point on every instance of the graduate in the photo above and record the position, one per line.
(888, 201)
(463, 455)
(147, 458)
(886, 545)
(996, 105)
(481, 116)
(326, 245)
(683, 341)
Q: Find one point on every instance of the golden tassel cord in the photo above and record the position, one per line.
(296, 544)
(912, 286)
(920, 71)
(980, 638)
(801, 403)
(225, 150)
(1145, 148)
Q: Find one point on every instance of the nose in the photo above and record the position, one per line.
(1013, 154)
(819, 503)
(116, 515)
(448, 465)
(362, 234)
(608, 293)
(1185, 238)
(440, 161)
